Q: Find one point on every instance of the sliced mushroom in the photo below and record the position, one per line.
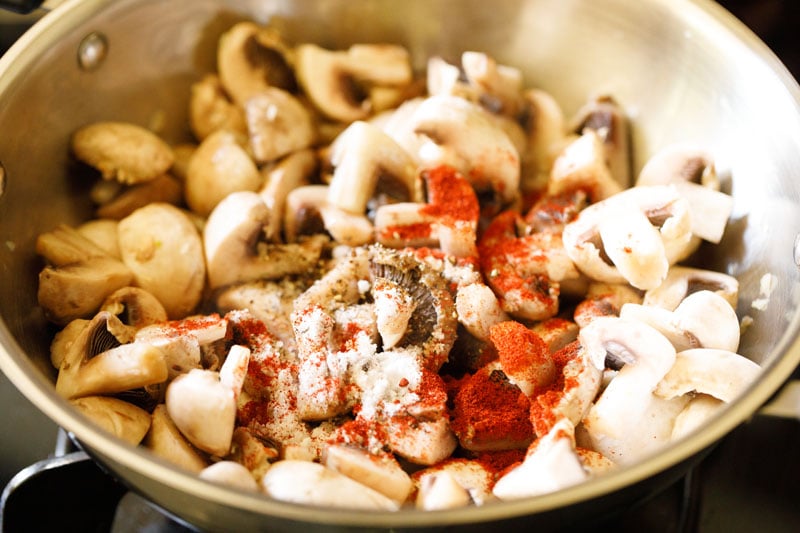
(552, 463)
(681, 281)
(166, 441)
(703, 319)
(680, 162)
(605, 299)
(604, 116)
(164, 189)
(582, 165)
(230, 473)
(382, 473)
(135, 306)
(719, 373)
(469, 474)
(710, 210)
(122, 151)
(440, 490)
(163, 249)
(250, 59)
(211, 110)
(545, 135)
(122, 419)
(325, 78)
(523, 356)
(697, 412)
(290, 173)
(632, 237)
(478, 309)
(570, 396)
(203, 409)
(302, 216)
(103, 233)
(311, 483)
(79, 276)
(98, 363)
(63, 338)
(556, 332)
(234, 253)
(278, 124)
(365, 158)
(461, 134)
(381, 64)
(432, 324)
(645, 356)
(219, 167)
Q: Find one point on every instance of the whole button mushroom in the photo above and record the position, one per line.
(163, 249)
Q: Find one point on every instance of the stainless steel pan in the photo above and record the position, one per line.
(686, 71)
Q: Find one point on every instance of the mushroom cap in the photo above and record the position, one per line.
(278, 124)
(382, 473)
(120, 418)
(719, 373)
(203, 409)
(311, 483)
(122, 151)
(230, 473)
(219, 167)
(234, 247)
(163, 249)
(251, 58)
(325, 79)
(211, 110)
(166, 441)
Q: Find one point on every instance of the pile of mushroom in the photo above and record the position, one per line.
(358, 286)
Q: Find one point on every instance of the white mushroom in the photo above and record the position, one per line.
(703, 319)
(605, 116)
(440, 490)
(278, 124)
(96, 362)
(280, 180)
(119, 150)
(546, 134)
(719, 373)
(311, 483)
(646, 356)
(582, 165)
(135, 306)
(103, 233)
(697, 412)
(362, 157)
(471, 475)
(552, 463)
(603, 240)
(120, 418)
(203, 409)
(478, 309)
(166, 441)
(710, 210)
(230, 473)
(164, 189)
(251, 58)
(219, 167)
(325, 79)
(393, 309)
(162, 247)
(462, 135)
(78, 277)
(379, 472)
(680, 162)
(681, 281)
(232, 249)
(211, 110)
